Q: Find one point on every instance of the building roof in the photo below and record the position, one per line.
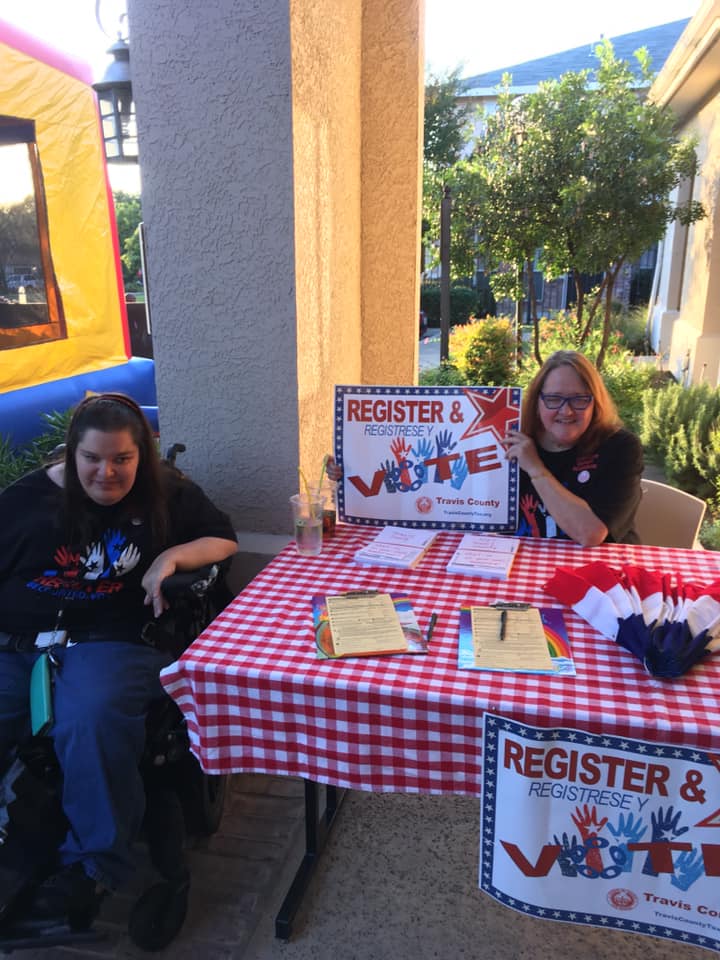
(658, 40)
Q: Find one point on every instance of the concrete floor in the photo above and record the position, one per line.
(399, 880)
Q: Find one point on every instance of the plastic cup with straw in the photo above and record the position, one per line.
(328, 509)
(307, 509)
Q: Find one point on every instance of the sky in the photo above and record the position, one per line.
(475, 35)
(479, 34)
(69, 25)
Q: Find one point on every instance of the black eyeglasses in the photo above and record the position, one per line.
(556, 401)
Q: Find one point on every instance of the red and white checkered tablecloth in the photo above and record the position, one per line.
(257, 699)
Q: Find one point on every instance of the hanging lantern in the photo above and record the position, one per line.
(117, 109)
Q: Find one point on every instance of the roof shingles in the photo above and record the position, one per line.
(658, 40)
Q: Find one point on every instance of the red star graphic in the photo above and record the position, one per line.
(495, 411)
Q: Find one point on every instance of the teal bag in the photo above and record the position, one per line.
(41, 709)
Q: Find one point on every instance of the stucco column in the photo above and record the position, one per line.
(212, 84)
(280, 147)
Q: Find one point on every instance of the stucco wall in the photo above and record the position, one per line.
(357, 109)
(685, 321)
(699, 324)
(213, 94)
(280, 158)
(327, 118)
(391, 187)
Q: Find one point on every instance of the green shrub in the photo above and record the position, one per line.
(489, 358)
(12, 463)
(626, 381)
(464, 302)
(680, 429)
(460, 339)
(446, 375)
(15, 461)
(628, 384)
(631, 325)
(710, 534)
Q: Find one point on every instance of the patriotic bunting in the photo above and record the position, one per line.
(667, 623)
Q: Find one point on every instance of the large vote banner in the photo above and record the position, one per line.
(427, 456)
(601, 830)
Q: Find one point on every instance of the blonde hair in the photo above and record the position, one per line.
(605, 420)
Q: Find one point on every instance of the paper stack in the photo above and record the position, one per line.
(396, 547)
(484, 555)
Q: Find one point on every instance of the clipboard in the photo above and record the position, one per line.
(519, 652)
(365, 623)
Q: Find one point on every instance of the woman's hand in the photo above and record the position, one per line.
(519, 446)
(163, 566)
(333, 470)
(180, 559)
(572, 514)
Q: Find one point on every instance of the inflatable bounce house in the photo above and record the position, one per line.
(63, 320)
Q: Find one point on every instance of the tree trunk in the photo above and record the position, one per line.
(536, 341)
(579, 304)
(593, 310)
(532, 303)
(518, 323)
(532, 296)
(612, 276)
(445, 215)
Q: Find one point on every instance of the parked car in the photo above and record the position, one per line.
(27, 280)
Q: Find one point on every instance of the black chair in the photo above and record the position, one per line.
(180, 800)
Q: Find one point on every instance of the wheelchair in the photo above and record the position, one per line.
(180, 800)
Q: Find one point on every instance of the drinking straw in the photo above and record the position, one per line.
(306, 484)
(323, 468)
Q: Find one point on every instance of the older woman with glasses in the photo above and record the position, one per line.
(580, 470)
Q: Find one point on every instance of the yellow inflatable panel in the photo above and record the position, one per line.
(38, 86)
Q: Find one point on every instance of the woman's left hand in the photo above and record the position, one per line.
(163, 566)
(333, 470)
(519, 446)
(179, 559)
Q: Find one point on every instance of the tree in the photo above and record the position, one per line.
(581, 175)
(128, 214)
(445, 131)
(446, 134)
(18, 233)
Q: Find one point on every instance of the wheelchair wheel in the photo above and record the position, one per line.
(158, 915)
(202, 796)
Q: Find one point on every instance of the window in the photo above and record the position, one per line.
(30, 303)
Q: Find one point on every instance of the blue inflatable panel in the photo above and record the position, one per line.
(21, 410)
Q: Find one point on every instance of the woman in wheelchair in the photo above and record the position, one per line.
(85, 545)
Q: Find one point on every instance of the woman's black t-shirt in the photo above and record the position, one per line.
(608, 479)
(99, 583)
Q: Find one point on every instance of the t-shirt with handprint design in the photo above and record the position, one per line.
(98, 582)
(607, 479)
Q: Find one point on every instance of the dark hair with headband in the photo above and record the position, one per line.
(110, 413)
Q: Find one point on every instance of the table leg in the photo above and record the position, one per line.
(316, 833)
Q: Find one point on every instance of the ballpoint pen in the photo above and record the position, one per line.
(431, 627)
(503, 623)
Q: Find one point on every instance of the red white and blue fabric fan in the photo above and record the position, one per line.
(667, 623)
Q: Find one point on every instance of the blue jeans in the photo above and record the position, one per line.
(102, 691)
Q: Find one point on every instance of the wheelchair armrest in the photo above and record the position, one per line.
(191, 583)
(194, 599)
